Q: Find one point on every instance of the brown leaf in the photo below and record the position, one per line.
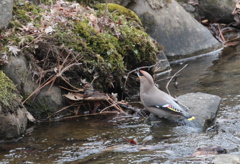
(131, 141)
(74, 96)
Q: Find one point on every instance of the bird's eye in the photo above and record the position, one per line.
(140, 73)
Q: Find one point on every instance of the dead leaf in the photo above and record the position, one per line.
(13, 49)
(205, 21)
(74, 96)
(193, 2)
(48, 30)
(30, 117)
(131, 141)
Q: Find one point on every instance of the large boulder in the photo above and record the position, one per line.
(214, 11)
(13, 116)
(6, 7)
(41, 104)
(180, 34)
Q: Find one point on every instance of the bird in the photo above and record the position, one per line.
(158, 102)
(88, 90)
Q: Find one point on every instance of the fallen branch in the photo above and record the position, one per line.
(113, 104)
(221, 35)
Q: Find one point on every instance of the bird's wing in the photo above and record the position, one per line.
(165, 103)
(168, 107)
(161, 103)
(172, 109)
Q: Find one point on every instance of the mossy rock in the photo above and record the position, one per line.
(9, 98)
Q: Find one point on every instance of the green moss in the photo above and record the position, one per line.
(137, 48)
(20, 12)
(7, 91)
(120, 10)
(118, 44)
(133, 43)
(101, 44)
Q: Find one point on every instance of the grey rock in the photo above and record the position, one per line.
(219, 11)
(180, 37)
(227, 159)
(214, 11)
(13, 117)
(13, 125)
(6, 7)
(202, 105)
(44, 102)
(192, 8)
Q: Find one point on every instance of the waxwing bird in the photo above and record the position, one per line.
(157, 101)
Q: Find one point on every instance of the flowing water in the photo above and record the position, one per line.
(103, 138)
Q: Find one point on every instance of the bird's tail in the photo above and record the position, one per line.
(191, 118)
(188, 116)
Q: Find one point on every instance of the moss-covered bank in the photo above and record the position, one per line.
(109, 42)
(106, 41)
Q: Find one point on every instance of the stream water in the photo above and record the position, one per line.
(102, 138)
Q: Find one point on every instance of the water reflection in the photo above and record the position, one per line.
(102, 139)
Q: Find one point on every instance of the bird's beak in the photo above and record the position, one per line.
(137, 72)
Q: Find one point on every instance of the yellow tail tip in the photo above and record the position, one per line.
(192, 118)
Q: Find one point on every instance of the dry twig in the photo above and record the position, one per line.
(61, 68)
(173, 77)
(221, 35)
(149, 67)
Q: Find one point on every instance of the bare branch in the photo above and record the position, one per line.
(149, 67)
(173, 77)
(66, 68)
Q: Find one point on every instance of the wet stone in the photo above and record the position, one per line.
(201, 105)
